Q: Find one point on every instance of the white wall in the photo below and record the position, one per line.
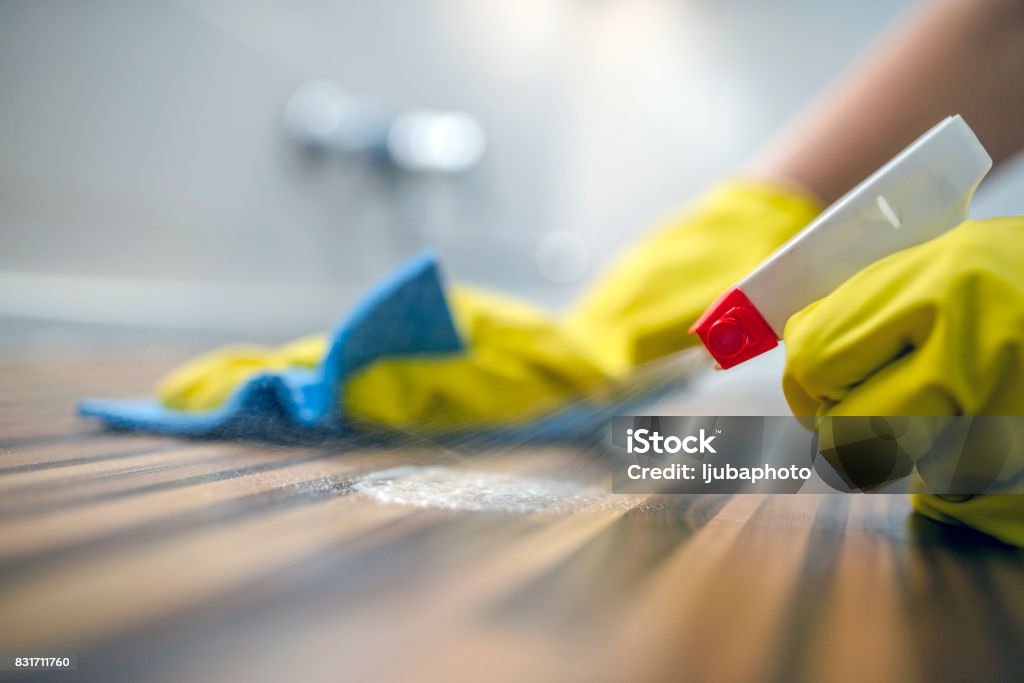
(145, 178)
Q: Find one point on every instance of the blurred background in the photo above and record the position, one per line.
(149, 177)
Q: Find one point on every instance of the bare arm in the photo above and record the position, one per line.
(950, 57)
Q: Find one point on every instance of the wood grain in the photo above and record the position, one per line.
(174, 560)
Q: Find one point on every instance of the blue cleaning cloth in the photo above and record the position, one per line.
(405, 314)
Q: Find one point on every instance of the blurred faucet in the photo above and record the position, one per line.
(322, 117)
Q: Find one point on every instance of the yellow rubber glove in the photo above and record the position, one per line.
(932, 330)
(207, 381)
(643, 307)
(521, 362)
(519, 365)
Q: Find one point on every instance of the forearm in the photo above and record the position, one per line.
(952, 57)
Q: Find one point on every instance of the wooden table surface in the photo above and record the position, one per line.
(172, 560)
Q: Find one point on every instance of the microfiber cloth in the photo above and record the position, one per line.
(405, 314)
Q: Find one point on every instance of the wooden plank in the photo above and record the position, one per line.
(168, 559)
